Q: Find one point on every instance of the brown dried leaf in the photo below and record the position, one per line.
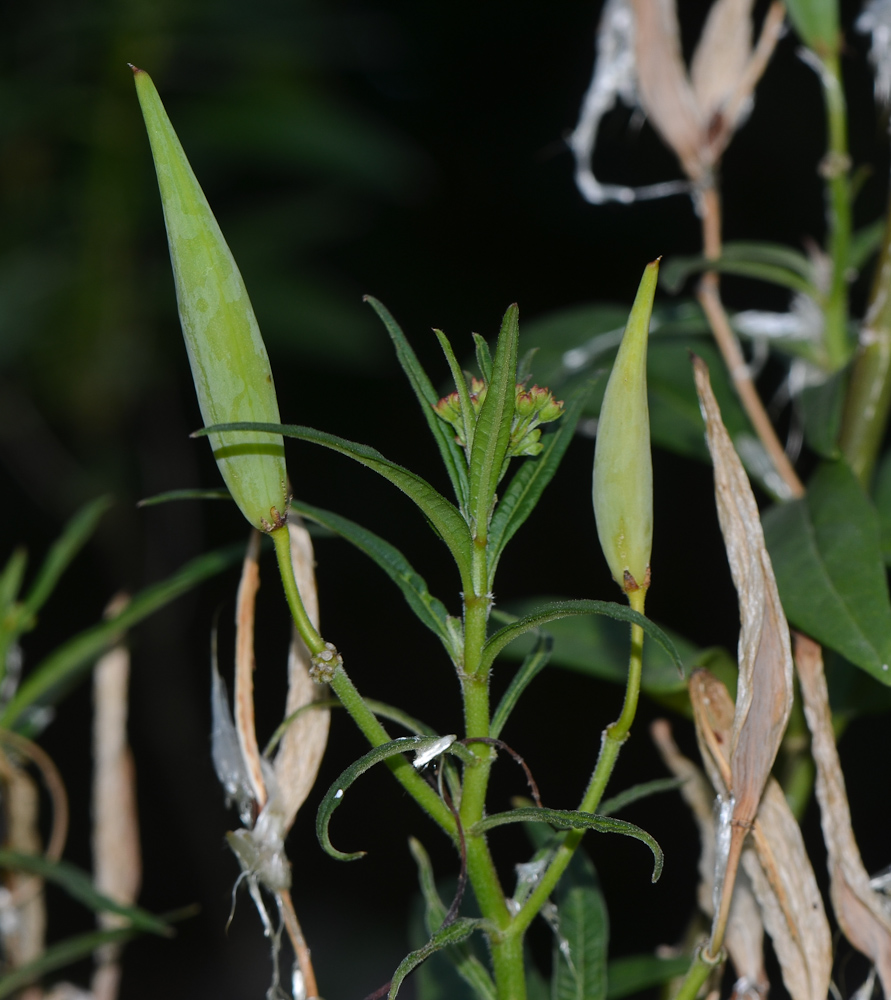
(244, 668)
(665, 91)
(764, 689)
(744, 938)
(779, 869)
(117, 866)
(791, 906)
(860, 911)
(117, 861)
(24, 932)
(303, 745)
(721, 56)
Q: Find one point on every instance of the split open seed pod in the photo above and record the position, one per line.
(230, 366)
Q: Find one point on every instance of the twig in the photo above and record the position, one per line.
(709, 296)
(298, 943)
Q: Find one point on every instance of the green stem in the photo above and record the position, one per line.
(507, 952)
(426, 797)
(868, 399)
(308, 632)
(835, 168)
(700, 969)
(613, 737)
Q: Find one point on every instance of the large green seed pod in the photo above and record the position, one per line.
(230, 366)
(623, 467)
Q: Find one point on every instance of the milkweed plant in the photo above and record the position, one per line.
(804, 513)
(813, 558)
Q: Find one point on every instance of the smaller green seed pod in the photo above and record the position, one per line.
(230, 367)
(623, 467)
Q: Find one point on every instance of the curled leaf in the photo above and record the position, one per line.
(764, 688)
(744, 938)
(779, 869)
(862, 914)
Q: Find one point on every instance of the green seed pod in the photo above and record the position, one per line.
(623, 468)
(230, 366)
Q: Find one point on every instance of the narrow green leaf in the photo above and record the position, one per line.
(469, 418)
(580, 949)
(864, 243)
(453, 456)
(565, 609)
(74, 536)
(444, 517)
(483, 357)
(533, 663)
(53, 674)
(609, 807)
(768, 261)
(57, 956)
(492, 435)
(532, 478)
(827, 557)
(572, 819)
(11, 581)
(598, 646)
(334, 795)
(79, 885)
(454, 934)
(627, 976)
(430, 610)
(466, 963)
(172, 495)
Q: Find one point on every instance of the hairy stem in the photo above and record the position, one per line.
(613, 737)
(352, 701)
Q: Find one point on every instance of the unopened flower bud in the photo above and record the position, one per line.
(623, 469)
(230, 367)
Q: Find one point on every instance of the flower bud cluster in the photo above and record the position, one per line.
(532, 407)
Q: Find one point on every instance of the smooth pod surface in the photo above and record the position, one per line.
(230, 366)
(623, 467)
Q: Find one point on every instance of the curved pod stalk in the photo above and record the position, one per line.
(230, 366)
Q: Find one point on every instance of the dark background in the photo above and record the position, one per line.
(415, 152)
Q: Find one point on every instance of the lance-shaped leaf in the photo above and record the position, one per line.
(744, 938)
(572, 819)
(492, 435)
(230, 367)
(764, 689)
(779, 869)
(860, 911)
(442, 515)
(828, 554)
(334, 795)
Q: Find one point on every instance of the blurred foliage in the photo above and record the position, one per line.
(88, 324)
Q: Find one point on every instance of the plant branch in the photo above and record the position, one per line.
(709, 296)
(613, 737)
(868, 399)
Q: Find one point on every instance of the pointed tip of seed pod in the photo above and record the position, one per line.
(135, 69)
